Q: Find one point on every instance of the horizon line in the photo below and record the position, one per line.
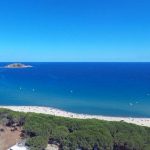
(74, 61)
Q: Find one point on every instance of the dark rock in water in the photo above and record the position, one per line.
(17, 65)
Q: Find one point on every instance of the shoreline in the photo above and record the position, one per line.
(61, 113)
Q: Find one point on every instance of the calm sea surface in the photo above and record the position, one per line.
(116, 89)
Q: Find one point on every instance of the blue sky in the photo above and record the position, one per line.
(75, 30)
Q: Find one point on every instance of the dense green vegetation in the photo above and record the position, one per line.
(71, 134)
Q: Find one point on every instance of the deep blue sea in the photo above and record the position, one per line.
(116, 89)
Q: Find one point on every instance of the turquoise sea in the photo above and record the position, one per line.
(114, 89)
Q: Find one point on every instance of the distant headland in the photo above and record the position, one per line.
(17, 65)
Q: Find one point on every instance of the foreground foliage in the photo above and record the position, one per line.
(72, 134)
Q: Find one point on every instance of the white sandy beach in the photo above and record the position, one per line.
(57, 112)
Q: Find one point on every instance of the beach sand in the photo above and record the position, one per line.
(61, 113)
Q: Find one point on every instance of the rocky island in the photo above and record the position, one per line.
(17, 65)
